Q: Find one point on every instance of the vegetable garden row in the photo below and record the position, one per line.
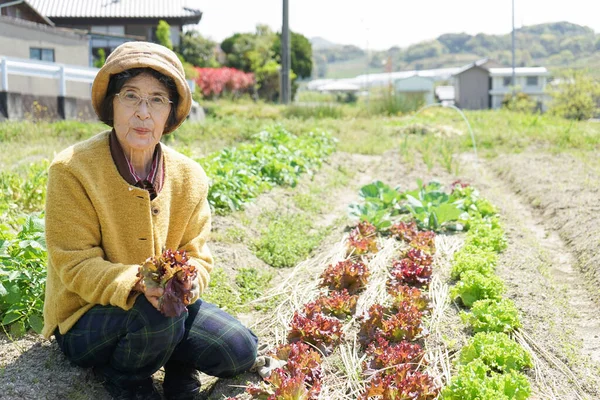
(390, 332)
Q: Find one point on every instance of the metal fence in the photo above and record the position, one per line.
(42, 69)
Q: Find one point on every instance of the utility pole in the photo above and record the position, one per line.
(285, 56)
(514, 82)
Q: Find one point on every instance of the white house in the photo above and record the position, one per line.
(416, 87)
(531, 81)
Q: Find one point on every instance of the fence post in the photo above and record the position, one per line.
(4, 91)
(62, 93)
(4, 68)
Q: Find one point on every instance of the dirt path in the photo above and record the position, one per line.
(560, 318)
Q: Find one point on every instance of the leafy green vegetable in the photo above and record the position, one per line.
(493, 315)
(472, 258)
(23, 276)
(276, 157)
(432, 207)
(497, 351)
(476, 381)
(474, 286)
(486, 234)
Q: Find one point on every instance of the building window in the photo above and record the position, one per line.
(507, 81)
(36, 53)
(532, 81)
(112, 30)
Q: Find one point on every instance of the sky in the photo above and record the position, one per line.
(381, 24)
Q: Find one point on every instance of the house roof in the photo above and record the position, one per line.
(116, 8)
(339, 86)
(477, 64)
(37, 12)
(521, 71)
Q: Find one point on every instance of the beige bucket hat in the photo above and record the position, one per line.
(144, 55)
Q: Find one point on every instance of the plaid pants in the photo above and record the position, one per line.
(127, 347)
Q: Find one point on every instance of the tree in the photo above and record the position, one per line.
(575, 96)
(99, 62)
(247, 51)
(422, 50)
(521, 102)
(163, 34)
(455, 42)
(197, 50)
(301, 54)
(253, 52)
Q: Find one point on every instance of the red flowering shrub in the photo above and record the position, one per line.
(362, 239)
(214, 81)
(348, 274)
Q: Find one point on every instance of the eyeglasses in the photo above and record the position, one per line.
(155, 102)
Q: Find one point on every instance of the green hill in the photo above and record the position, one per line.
(557, 45)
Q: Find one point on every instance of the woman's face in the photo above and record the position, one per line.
(140, 127)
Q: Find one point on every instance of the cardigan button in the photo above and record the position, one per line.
(155, 210)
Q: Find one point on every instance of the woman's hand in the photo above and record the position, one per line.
(152, 294)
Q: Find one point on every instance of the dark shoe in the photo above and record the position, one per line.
(140, 391)
(182, 384)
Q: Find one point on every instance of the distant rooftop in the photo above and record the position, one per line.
(116, 8)
(520, 71)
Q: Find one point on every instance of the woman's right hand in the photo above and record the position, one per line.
(152, 294)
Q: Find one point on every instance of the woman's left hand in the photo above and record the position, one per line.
(195, 289)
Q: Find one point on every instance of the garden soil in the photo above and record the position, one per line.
(550, 267)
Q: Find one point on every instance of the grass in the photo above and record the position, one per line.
(287, 239)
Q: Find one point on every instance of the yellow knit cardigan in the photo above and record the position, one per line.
(99, 228)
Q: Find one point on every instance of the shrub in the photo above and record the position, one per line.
(521, 102)
(575, 96)
(213, 82)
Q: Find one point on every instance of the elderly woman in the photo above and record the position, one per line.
(113, 201)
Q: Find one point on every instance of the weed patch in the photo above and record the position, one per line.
(288, 239)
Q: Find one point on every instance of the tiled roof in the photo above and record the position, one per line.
(117, 8)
